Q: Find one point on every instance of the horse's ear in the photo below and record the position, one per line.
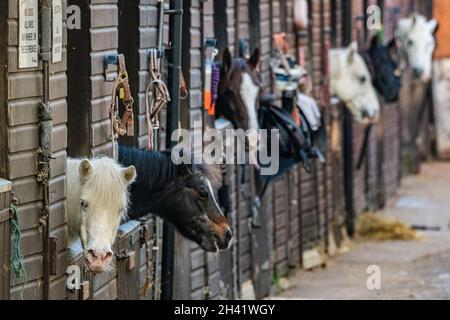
(374, 42)
(227, 60)
(414, 19)
(353, 50)
(85, 169)
(392, 44)
(335, 66)
(433, 25)
(255, 59)
(403, 26)
(129, 174)
(185, 169)
(393, 49)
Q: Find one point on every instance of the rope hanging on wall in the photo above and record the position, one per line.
(17, 259)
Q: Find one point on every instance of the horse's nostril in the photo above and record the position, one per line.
(418, 71)
(92, 253)
(364, 114)
(228, 235)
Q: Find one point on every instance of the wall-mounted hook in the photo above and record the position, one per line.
(211, 50)
(110, 59)
(160, 53)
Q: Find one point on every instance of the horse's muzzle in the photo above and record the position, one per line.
(97, 261)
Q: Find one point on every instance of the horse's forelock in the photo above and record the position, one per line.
(212, 172)
(107, 183)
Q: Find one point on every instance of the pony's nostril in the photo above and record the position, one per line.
(92, 253)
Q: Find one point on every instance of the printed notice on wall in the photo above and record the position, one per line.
(57, 31)
(28, 34)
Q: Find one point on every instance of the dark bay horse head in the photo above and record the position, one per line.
(181, 194)
(239, 89)
(385, 71)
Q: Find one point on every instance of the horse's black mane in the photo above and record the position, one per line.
(236, 63)
(162, 170)
(155, 176)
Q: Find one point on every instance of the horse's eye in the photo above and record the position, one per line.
(84, 204)
(362, 79)
(410, 43)
(203, 194)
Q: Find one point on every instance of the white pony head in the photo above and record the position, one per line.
(350, 80)
(417, 43)
(97, 201)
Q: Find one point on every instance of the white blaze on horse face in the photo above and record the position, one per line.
(97, 200)
(350, 80)
(249, 93)
(416, 36)
(211, 191)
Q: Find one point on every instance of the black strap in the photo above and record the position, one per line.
(263, 192)
(423, 107)
(365, 147)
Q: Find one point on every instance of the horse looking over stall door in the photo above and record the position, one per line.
(97, 199)
(350, 80)
(181, 194)
(384, 69)
(417, 44)
(238, 92)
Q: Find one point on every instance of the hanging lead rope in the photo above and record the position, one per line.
(121, 90)
(148, 278)
(160, 96)
(17, 259)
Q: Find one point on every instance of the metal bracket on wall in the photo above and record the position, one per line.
(5, 215)
(110, 59)
(173, 12)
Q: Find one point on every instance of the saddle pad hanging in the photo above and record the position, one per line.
(310, 109)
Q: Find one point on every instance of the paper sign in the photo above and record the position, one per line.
(28, 34)
(57, 30)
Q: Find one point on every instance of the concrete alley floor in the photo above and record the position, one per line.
(409, 270)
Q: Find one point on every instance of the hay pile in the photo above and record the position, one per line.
(380, 228)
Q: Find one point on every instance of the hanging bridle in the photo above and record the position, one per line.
(160, 96)
(121, 91)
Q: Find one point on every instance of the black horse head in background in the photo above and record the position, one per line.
(385, 71)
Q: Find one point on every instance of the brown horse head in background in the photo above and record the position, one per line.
(239, 90)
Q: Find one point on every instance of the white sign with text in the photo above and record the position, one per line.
(28, 34)
(57, 32)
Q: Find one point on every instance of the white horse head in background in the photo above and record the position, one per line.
(350, 80)
(417, 44)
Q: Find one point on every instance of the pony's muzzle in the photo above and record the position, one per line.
(98, 260)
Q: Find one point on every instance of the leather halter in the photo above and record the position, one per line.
(121, 91)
